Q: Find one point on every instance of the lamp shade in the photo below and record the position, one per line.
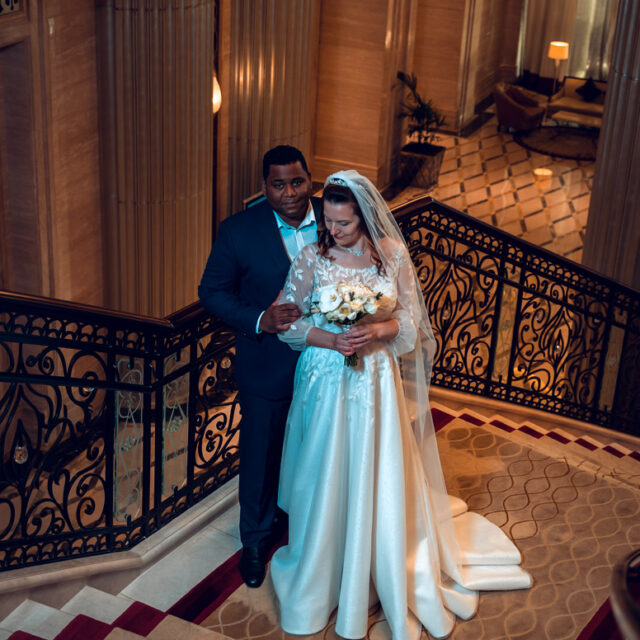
(558, 50)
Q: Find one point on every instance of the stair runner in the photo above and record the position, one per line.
(96, 615)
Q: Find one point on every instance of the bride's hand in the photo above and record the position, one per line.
(361, 335)
(342, 344)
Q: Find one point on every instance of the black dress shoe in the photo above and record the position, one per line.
(252, 566)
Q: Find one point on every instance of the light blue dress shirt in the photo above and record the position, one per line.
(295, 239)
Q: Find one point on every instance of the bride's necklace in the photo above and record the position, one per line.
(355, 252)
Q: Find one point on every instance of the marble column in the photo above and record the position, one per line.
(363, 44)
(156, 61)
(268, 56)
(612, 242)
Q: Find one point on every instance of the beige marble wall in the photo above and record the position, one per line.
(363, 44)
(73, 150)
(441, 26)
(50, 205)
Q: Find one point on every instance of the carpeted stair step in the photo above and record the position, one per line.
(97, 604)
(85, 628)
(37, 619)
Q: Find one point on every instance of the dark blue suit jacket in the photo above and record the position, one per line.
(246, 270)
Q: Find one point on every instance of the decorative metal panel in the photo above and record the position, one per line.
(9, 6)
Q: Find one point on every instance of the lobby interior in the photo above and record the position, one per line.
(114, 200)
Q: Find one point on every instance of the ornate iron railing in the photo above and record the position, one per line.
(112, 424)
(518, 323)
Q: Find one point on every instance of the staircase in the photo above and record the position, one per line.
(172, 596)
(162, 602)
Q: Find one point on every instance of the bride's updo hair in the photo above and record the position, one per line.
(340, 194)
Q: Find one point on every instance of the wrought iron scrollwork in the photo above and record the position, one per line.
(517, 323)
(109, 427)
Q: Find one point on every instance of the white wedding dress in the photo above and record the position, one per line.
(361, 515)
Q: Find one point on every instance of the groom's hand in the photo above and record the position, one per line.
(278, 317)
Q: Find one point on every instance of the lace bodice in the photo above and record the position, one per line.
(310, 272)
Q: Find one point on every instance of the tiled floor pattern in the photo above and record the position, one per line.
(571, 516)
(490, 176)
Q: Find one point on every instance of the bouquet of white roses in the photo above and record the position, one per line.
(344, 304)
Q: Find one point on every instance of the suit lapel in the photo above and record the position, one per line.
(269, 236)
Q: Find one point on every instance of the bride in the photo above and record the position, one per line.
(361, 479)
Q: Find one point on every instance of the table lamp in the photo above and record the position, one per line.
(557, 51)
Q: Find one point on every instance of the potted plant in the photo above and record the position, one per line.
(422, 158)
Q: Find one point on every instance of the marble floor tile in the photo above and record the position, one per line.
(559, 211)
(504, 217)
(480, 210)
(471, 171)
(520, 167)
(581, 203)
(536, 220)
(565, 226)
(555, 197)
(475, 183)
(450, 177)
(504, 199)
(531, 206)
(476, 196)
(514, 228)
(539, 235)
(582, 218)
(497, 175)
(491, 177)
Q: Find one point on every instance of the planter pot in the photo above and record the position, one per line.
(421, 164)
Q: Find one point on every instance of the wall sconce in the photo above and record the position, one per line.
(216, 95)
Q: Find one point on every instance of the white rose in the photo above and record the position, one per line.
(330, 299)
(346, 312)
(371, 305)
(357, 305)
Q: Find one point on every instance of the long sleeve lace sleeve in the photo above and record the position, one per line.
(298, 289)
(405, 339)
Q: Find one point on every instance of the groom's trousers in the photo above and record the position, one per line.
(261, 436)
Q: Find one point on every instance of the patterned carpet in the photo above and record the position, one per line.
(571, 505)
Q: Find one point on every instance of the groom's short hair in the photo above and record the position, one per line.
(281, 155)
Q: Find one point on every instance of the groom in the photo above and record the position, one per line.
(241, 284)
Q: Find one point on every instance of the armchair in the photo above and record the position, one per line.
(517, 108)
